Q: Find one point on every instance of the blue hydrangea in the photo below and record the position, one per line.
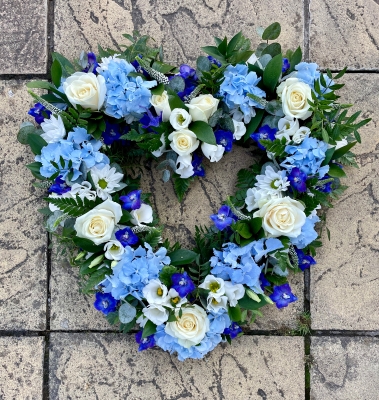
(307, 156)
(308, 233)
(126, 95)
(309, 73)
(134, 271)
(238, 83)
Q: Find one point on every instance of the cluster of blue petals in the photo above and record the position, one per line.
(309, 73)
(308, 233)
(39, 113)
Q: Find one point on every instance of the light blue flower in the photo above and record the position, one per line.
(309, 73)
(308, 233)
(264, 246)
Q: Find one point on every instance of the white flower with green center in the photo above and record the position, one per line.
(173, 300)
(216, 286)
(114, 250)
(106, 180)
(215, 304)
(272, 182)
(155, 292)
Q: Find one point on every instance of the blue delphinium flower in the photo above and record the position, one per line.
(308, 233)
(190, 78)
(298, 179)
(282, 295)
(305, 261)
(233, 330)
(198, 169)
(39, 113)
(324, 187)
(149, 120)
(132, 200)
(182, 283)
(126, 95)
(113, 132)
(225, 138)
(264, 281)
(286, 65)
(214, 61)
(238, 83)
(144, 343)
(126, 237)
(223, 218)
(59, 186)
(92, 63)
(105, 303)
(264, 133)
(307, 156)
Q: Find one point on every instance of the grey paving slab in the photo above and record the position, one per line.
(345, 368)
(89, 366)
(182, 27)
(344, 33)
(23, 48)
(22, 236)
(344, 282)
(21, 368)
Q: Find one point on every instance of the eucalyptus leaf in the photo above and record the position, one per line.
(272, 32)
(274, 107)
(177, 84)
(166, 175)
(126, 313)
(264, 60)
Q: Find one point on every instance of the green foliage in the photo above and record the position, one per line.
(182, 257)
(75, 207)
(149, 329)
(203, 132)
(153, 237)
(272, 32)
(181, 185)
(36, 143)
(272, 72)
(166, 273)
(276, 146)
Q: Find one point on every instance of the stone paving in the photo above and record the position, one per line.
(53, 345)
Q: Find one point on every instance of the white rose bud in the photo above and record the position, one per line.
(213, 152)
(301, 134)
(161, 105)
(203, 107)
(282, 216)
(287, 128)
(114, 250)
(239, 129)
(142, 215)
(180, 119)
(234, 292)
(184, 166)
(53, 129)
(183, 142)
(86, 90)
(295, 95)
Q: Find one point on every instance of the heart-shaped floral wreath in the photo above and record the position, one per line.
(103, 113)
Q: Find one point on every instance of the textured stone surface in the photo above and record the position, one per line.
(344, 33)
(345, 280)
(86, 366)
(181, 28)
(21, 367)
(23, 37)
(22, 236)
(345, 368)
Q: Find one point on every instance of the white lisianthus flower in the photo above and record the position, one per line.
(141, 321)
(287, 126)
(143, 215)
(156, 313)
(202, 107)
(272, 182)
(339, 143)
(162, 149)
(301, 134)
(282, 217)
(295, 95)
(86, 90)
(155, 292)
(239, 129)
(173, 300)
(183, 142)
(216, 286)
(191, 328)
(105, 180)
(257, 198)
(161, 105)
(53, 129)
(114, 250)
(215, 304)
(213, 152)
(184, 166)
(234, 292)
(98, 224)
(180, 119)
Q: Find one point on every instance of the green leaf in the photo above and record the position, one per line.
(295, 59)
(181, 185)
(254, 123)
(256, 224)
(87, 245)
(175, 101)
(203, 63)
(177, 84)
(342, 150)
(233, 43)
(328, 156)
(235, 313)
(335, 171)
(272, 32)
(56, 73)
(112, 318)
(166, 273)
(67, 68)
(25, 129)
(325, 136)
(158, 90)
(249, 304)
(149, 329)
(203, 131)
(36, 143)
(223, 45)
(272, 72)
(273, 49)
(35, 169)
(242, 227)
(214, 52)
(182, 257)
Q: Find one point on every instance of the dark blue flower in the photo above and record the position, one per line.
(92, 63)
(223, 218)
(190, 79)
(264, 133)
(233, 330)
(264, 281)
(198, 169)
(305, 261)
(144, 343)
(126, 237)
(182, 283)
(39, 112)
(149, 120)
(59, 186)
(186, 71)
(298, 179)
(286, 64)
(131, 201)
(282, 295)
(113, 132)
(225, 138)
(105, 303)
(327, 187)
(214, 61)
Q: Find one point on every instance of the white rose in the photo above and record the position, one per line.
(239, 129)
(184, 166)
(301, 134)
(191, 328)
(86, 90)
(234, 292)
(287, 128)
(114, 250)
(213, 152)
(156, 313)
(98, 224)
(203, 107)
(144, 214)
(162, 149)
(180, 119)
(161, 105)
(216, 286)
(295, 95)
(216, 304)
(155, 292)
(53, 129)
(183, 142)
(282, 217)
